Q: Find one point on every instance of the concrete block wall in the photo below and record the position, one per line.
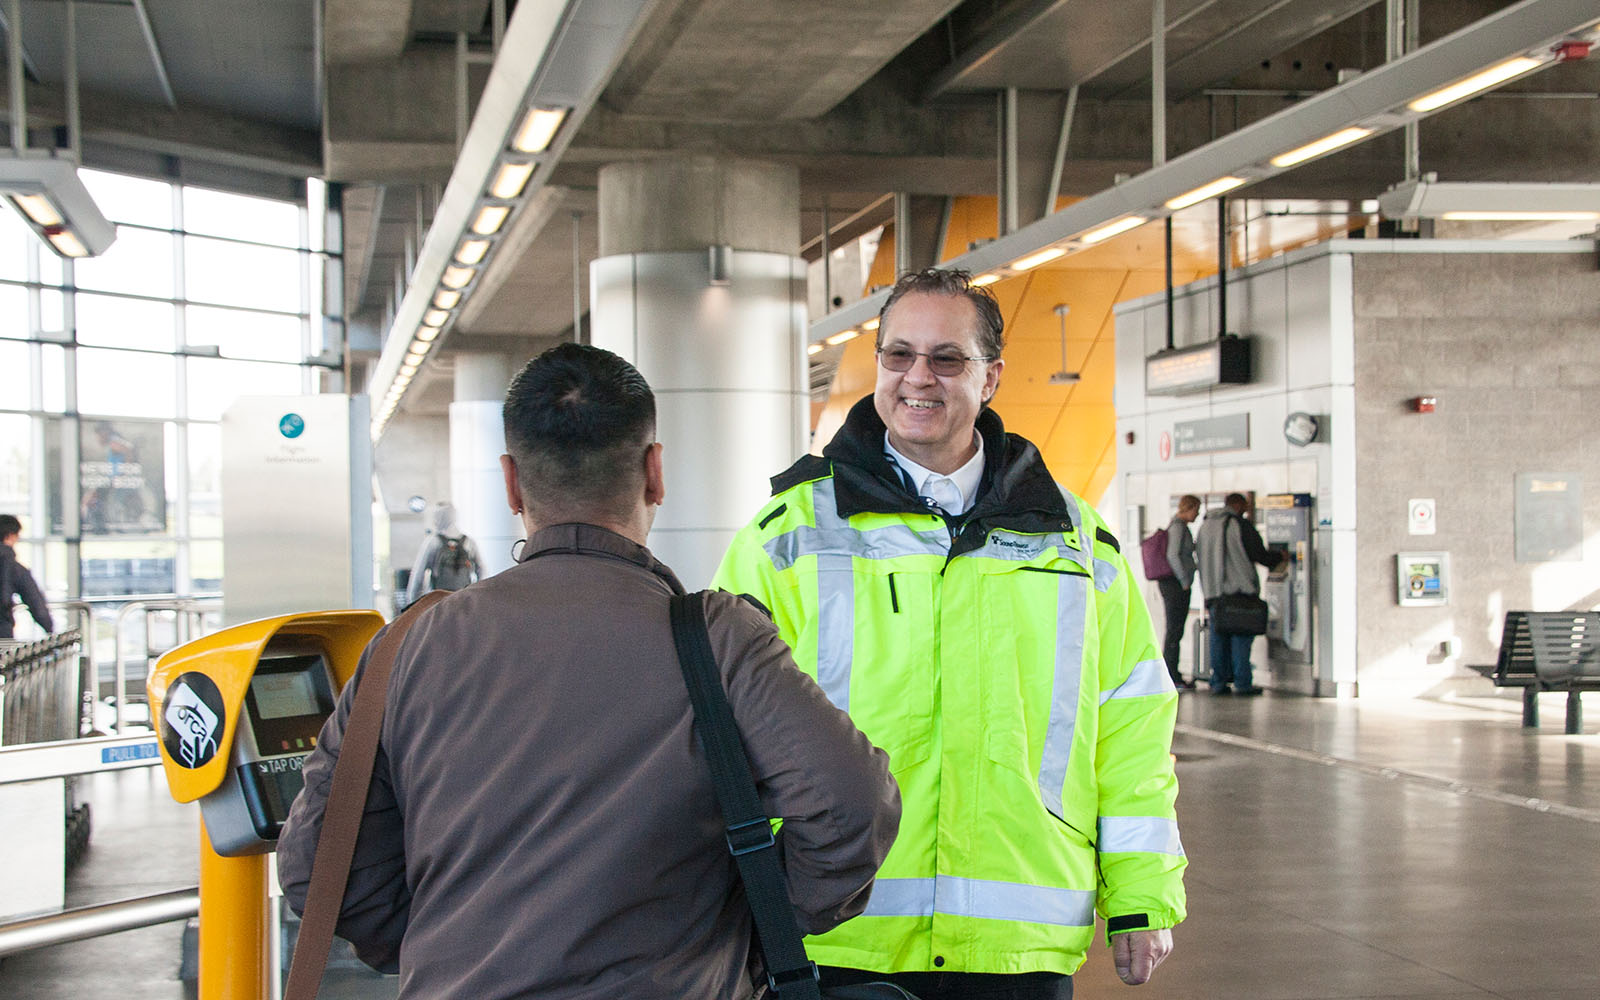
(1505, 336)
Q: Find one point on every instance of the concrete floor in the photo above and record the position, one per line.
(1337, 851)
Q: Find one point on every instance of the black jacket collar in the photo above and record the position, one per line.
(1017, 490)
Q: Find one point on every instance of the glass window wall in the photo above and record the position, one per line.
(115, 371)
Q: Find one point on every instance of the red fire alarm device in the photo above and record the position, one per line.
(1424, 404)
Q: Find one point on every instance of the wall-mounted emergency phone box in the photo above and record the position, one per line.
(239, 710)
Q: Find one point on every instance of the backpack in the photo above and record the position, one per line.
(1154, 551)
(452, 567)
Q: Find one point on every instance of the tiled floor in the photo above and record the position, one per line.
(1338, 850)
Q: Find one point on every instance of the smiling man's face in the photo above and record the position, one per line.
(930, 417)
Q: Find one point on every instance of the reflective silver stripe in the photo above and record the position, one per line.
(836, 627)
(901, 897)
(965, 897)
(890, 542)
(1105, 574)
(1148, 677)
(1152, 834)
(833, 535)
(1072, 602)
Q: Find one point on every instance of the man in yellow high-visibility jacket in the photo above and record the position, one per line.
(980, 624)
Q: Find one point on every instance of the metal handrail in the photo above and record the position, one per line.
(93, 921)
(188, 609)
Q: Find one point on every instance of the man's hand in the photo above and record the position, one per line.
(1137, 953)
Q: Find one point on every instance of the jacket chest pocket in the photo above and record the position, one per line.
(877, 654)
(1034, 631)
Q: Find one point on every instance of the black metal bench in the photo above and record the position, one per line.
(1549, 651)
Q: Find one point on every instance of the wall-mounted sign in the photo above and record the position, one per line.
(1225, 361)
(1202, 437)
(1421, 515)
(1549, 517)
(1422, 579)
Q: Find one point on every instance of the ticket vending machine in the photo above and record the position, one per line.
(238, 711)
(1288, 525)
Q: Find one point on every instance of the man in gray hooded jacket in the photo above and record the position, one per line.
(1229, 548)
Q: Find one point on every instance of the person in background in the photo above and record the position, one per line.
(16, 581)
(1176, 589)
(1229, 548)
(448, 559)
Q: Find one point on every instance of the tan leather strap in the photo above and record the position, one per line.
(347, 800)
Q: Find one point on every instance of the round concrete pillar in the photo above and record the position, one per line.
(699, 286)
(477, 440)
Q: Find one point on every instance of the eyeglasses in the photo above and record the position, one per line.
(945, 363)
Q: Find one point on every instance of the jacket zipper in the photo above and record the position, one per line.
(894, 597)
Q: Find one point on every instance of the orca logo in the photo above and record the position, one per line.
(193, 720)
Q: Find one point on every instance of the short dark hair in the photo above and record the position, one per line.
(9, 526)
(577, 420)
(1236, 500)
(954, 282)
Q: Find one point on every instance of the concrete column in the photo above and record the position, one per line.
(699, 285)
(477, 440)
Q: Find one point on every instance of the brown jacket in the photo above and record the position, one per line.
(542, 822)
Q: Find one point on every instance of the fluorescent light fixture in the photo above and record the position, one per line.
(1116, 227)
(472, 251)
(38, 208)
(435, 318)
(842, 336)
(1491, 202)
(1326, 144)
(1033, 260)
(984, 279)
(402, 380)
(814, 349)
(50, 198)
(871, 324)
(408, 370)
(427, 334)
(538, 128)
(418, 348)
(1222, 185)
(511, 179)
(490, 219)
(447, 299)
(67, 243)
(1494, 75)
(413, 358)
(457, 277)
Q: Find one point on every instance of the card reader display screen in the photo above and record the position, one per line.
(288, 700)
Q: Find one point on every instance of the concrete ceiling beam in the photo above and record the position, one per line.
(357, 31)
(185, 131)
(449, 16)
(714, 59)
(394, 119)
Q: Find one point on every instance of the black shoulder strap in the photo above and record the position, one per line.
(789, 973)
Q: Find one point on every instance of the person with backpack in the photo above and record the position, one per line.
(1177, 551)
(448, 559)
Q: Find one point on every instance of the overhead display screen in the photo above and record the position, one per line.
(1194, 369)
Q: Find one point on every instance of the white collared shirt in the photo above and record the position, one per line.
(955, 493)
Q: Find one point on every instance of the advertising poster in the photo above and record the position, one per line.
(122, 476)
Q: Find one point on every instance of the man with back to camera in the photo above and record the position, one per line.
(980, 624)
(542, 821)
(1229, 549)
(16, 581)
(1176, 590)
